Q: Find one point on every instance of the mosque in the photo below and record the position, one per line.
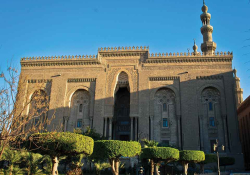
(187, 100)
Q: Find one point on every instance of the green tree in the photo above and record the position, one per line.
(113, 150)
(14, 157)
(190, 156)
(32, 161)
(57, 144)
(99, 166)
(158, 155)
(149, 143)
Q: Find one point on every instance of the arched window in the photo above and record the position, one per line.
(39, 106)
(80, 108)
(164, 107)
(211, 98)
(210, 106)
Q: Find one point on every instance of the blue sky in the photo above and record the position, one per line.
(79, 27)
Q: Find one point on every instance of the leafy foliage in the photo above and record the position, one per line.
(225, 161)
(60, 143)
(192, 156)
(32, 161)
(115, 149)
(99, 166)
(93, 134)
(160, 153)
(14, 158)
(149, 143)
(209, 158)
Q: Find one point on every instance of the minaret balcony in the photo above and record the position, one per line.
(206, 29)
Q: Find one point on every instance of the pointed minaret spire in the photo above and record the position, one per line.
(195, 48)
(208, 46)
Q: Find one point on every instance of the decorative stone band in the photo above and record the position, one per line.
(187, 60)
(123, 82)
(39, 80)
(79, 80)
(163, 78)
(163, 55)
(58, 63)
(212, 77)
(114, 54)
(79, 57)
(110, 49)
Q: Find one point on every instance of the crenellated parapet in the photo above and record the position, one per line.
(184, 54)
(141, 53)
(111, 49)
(48, 58)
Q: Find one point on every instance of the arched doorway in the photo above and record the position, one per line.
(122, 109)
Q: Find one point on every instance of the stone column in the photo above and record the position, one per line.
(179, 130)
(225, 131)
(151, 127)
(110, 128)
(65, 118)
(136, 134)
(132, 128)
(201, 132)
(91, 121)
(105, 126)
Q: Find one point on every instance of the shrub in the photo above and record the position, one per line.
(56, 144)
(226, 161)
(159, 154)
(113, 150)
(190, 156)
(209, 158)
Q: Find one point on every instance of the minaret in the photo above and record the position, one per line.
(238, 90)
(208, 46)
(195, 48)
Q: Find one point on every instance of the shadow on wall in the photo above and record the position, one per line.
(183, 111)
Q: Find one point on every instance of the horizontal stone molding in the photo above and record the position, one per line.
(212, 77)
(79, 80)
(69, 63)
(50, 58)
(188, 60)
(163, 78)
(164, 55)
(39, 80)
(123, 54)
(110, 49)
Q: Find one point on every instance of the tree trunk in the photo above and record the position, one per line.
(55, 163)
(117, 163)
(156, 169)
(185, 168)
(152, 166)
(11, 169)
(202, 168)
(114, 166)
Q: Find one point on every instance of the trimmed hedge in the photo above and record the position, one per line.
(210, 158)
(192, 156)
(164, 153)
(225, 161)
(60, 143)
(115, 149)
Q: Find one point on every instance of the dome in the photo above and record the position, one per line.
(204, 8)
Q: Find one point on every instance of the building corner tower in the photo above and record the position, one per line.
(208, 46)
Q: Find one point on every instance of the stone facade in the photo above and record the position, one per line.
(182, 99)
(244, 124)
